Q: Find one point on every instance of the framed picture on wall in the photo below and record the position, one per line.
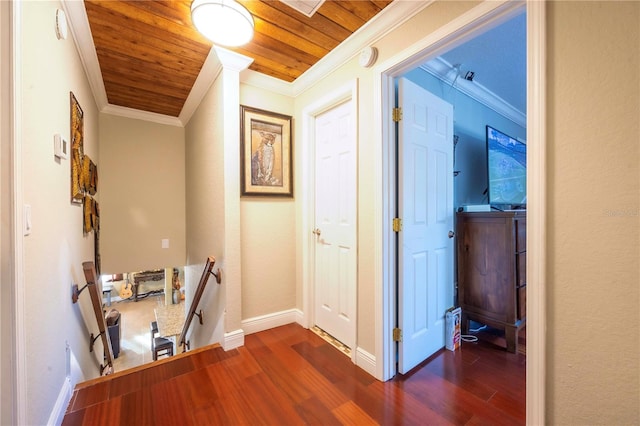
(266, 153)
(77, 150)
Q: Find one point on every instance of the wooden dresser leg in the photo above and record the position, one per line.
(511, 335)
(464, 323)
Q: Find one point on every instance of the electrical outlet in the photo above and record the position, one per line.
(165, 243)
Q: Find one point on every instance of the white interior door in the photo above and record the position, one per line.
(425, 205)
(335, 216)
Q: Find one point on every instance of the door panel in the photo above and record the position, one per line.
(336, 251)
(425, 205)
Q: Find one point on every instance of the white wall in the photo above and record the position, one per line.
(142, 195)
(54, 252)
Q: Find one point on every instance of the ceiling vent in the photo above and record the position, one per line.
(306, 7)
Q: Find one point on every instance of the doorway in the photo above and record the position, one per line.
(330, 233)
(335, 223)
(425, 210)
(484, 16)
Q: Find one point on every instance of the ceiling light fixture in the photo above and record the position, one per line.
(224, 22)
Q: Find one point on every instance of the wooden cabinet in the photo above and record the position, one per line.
(492, 276)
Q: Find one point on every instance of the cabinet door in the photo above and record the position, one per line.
(486, 267)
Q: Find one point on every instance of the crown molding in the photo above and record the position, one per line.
(391, 17)
(141, 115)
(81, 32)
(208, 73)
(263, 81)
(441, 69)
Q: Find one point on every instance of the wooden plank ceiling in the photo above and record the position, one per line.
(150, 54)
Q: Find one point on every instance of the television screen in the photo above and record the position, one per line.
(506, 170)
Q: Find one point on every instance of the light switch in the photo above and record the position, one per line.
(165, 243)
(27, 219)
(60, 146)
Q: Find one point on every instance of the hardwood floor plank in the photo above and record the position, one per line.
(234, 408)
(314, 412)
(394, 406)
(351, 414)
(91, 395)
(323, 389)
(197, 389)
(125, 384)
(452, 367)
(137, 408)
(73, 418)
(284, 379)
(327, 367)
(169, 406)
(289, 375)
(270, 401)
(243, 365)
(106, 413)
(508, 404)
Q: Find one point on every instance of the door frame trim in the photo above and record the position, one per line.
(14, 305)
(481, 17)
(344, 93)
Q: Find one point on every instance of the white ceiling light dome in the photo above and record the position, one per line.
(224, 22)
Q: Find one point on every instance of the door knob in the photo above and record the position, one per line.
(452, 234)
(317, 232)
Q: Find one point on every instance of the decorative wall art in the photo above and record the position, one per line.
(77, 130)
(266, 153)
(84, 179)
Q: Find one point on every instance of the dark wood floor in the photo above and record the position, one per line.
(289, 375)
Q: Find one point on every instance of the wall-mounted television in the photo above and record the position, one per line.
(506, 171)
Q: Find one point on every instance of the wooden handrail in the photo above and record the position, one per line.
(208, 270)
(96, 303)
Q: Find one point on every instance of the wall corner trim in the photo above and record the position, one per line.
(233, 340)
(366, 361)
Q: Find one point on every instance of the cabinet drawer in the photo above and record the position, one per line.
(522, 302)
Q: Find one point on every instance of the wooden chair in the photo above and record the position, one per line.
(153, 329)
(159, 345)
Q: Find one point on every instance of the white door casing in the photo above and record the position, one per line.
(425, 205)
(335, 223)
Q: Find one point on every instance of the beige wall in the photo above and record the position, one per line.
(54, 252)
(205, 209)
(593, 251)
(593, 247)
(7, 375)
(268, 230)
(142, 194)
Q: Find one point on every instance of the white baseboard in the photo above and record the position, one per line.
(276, 319)
(233, 340)
(57, 414)
(366, 361)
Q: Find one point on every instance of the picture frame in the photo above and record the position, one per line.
(77, 150)
(266, 153)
